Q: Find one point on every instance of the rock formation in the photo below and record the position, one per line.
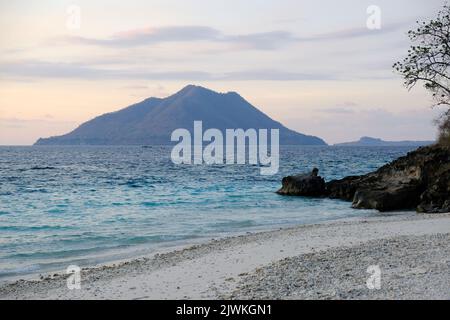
(420, 180)
(309, 184)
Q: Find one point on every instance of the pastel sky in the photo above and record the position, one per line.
(313, 65)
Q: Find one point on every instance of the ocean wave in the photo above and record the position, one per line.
(233, 224)
(37, 168)
(34, 228)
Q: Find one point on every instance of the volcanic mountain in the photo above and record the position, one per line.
(152, 121)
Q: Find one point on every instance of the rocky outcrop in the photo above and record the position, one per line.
(309, 185)
(420, 180)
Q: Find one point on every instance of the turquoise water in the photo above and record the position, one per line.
(83, 205)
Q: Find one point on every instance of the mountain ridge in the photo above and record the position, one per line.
(151, 121)
(370, 141)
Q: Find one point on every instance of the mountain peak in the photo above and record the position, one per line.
(370, 139)
(191, 88)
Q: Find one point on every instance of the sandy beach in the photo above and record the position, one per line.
(321, 261)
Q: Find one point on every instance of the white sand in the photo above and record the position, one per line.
(217, 268)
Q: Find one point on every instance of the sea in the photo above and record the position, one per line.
(87, 205)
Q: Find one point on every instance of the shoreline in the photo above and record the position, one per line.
(223, 268)
(147, 250)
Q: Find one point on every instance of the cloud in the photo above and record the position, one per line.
(41, 69)
(145, 36)
(94, 68)
(274, 75)
(270, 40)
(148, 36)
(47, 70)
(24, 123)
(355, 33)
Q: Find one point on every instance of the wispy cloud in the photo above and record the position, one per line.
(118, 66)
(148, 36)
(275, 75)
(145, 36)
(355, 32)
(252, 41)
(42, 69)
(24, 123)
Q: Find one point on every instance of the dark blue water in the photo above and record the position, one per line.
(65, 205)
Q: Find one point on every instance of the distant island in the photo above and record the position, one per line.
(375, 142)
(152, 121)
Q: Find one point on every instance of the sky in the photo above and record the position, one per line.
(315, 66)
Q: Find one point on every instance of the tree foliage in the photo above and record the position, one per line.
(428, 62)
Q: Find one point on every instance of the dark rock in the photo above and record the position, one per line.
(388, 198)
(342, 189)
(310, 185)
(420, 180)
(436, 199)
